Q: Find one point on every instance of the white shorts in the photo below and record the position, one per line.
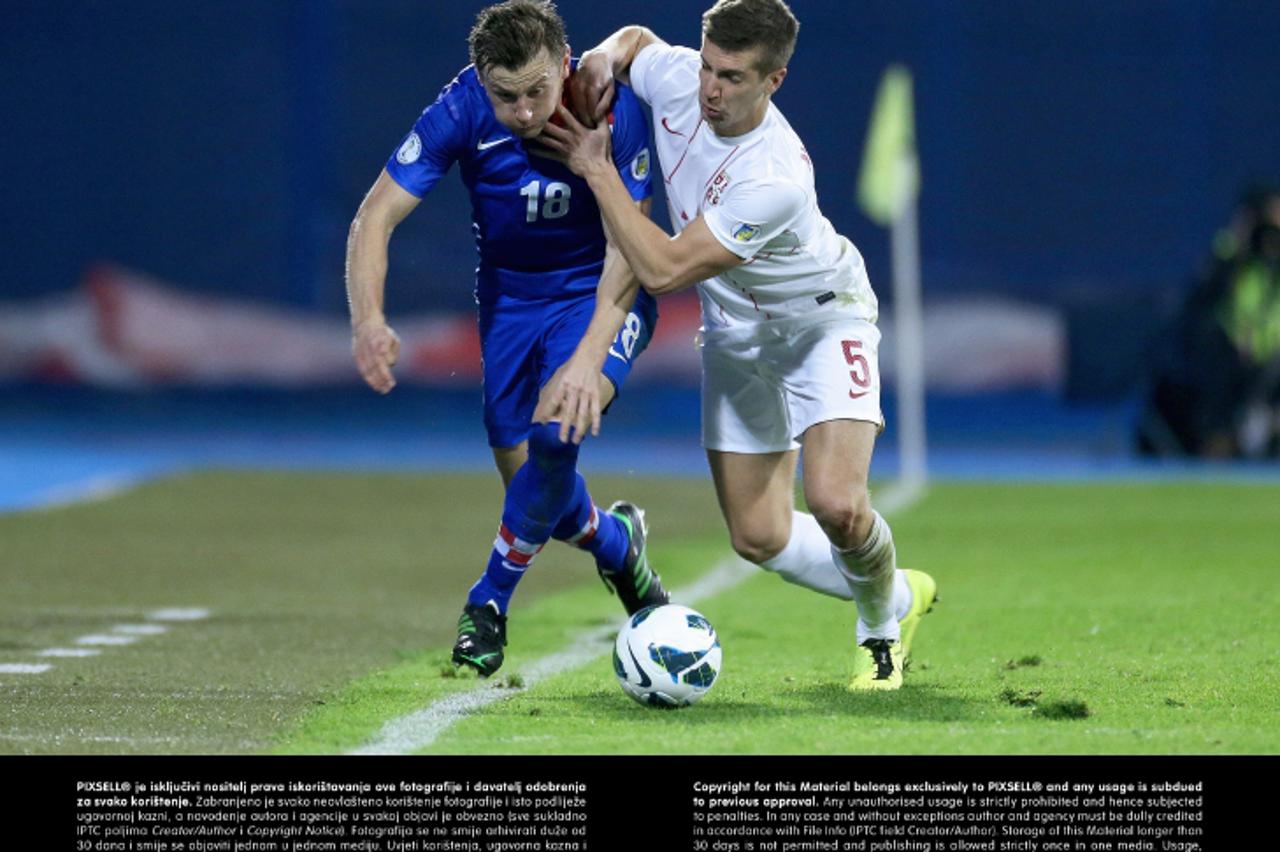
(764, 385)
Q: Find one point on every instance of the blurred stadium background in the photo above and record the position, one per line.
(180, 179)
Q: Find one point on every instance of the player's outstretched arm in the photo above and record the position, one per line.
(662, 264)
(579, 391)
(374, 344)
(591, 87)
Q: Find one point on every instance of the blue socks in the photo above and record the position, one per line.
(586, 527)
(546, 498)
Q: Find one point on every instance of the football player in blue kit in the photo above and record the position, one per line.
(561, 317)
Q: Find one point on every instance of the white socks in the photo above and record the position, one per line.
(865, 575)
(806, 560)
(879, 590)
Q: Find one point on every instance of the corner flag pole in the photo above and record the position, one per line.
(888, 189)
(904, 236)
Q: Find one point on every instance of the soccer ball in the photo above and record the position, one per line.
(667, 656)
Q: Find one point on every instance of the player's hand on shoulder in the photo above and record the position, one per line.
(591, 88)
(376, 348)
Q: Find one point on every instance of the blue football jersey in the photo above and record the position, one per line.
(537, 225)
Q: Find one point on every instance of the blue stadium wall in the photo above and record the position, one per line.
(1067, 148)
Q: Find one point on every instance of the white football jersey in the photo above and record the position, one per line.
(756, 193)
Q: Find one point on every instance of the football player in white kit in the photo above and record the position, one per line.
(789, 343)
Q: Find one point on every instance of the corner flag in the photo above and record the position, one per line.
(890, 175)
(888, 189)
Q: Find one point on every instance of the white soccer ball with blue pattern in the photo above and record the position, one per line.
(667, 656)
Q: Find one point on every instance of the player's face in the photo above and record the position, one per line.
(525, 98)
(733, 94)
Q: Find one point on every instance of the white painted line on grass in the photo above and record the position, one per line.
(179, 614)
(126, 634)
(106, 639)
(121, 634)
(140, 629)
(418, 730)
(24, 668)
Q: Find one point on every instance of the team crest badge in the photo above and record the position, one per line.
(640, 165)
(410, 150)
(717, 188)
(745, 233)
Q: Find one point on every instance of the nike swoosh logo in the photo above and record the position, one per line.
(645, 683)
(853, 395)
(484, 146)
(669, 128)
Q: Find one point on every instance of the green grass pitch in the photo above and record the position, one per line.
(1084, 618)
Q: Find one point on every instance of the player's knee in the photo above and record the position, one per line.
(757, 545)
(547, 450)
(844, 514)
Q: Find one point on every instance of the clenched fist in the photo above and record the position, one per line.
(376, 348)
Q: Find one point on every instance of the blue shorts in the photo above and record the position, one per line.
(523, 342)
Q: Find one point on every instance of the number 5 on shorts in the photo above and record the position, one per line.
(861, 372)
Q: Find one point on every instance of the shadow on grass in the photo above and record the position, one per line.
(921, 703)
